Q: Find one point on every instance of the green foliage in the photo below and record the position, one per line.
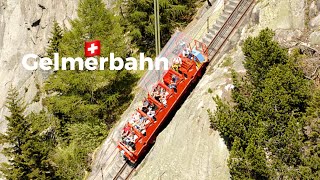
(227, 62)
(262, 53)
(87, 103)
(24, 147)
(55, 40)
(265, 128)
(94, 22)
(140, 17)
(81, 105)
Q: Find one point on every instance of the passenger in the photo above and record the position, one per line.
(157, 97)
(144, 109)
(125, 131)
(186, 52)
(145, 103)
(156, 93)
(152, 114)
(142, 120)
(135, 137)
(152, 107)
(143, 129)
(163, 101)
(173, 85)
(176, 64)
(164, 93)
(136, 116)
(174, 78)
(130, 141)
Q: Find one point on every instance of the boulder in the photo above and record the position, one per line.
(315, 22)
(315, 38)
(313, 10)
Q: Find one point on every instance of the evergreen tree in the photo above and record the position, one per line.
(264, 127)
(89, 101)
(261, 54)
(140, 18)
(55, 40)
(23, 148)
(18, 134)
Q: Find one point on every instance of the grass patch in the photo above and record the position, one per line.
(227, 62)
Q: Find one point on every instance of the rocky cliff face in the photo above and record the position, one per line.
(25, 28)
(188, 148)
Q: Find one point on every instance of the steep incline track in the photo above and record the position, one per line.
(217, 37)
(228, 27)
(124, 173)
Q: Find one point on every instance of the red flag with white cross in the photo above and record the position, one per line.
(92, 48)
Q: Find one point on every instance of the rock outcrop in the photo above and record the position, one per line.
(25, 28)
(188, 148)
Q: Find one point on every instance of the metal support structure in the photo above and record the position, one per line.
(157, 27)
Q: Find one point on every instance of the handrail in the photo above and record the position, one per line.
(120, 144)
(170, 91)
(145, 115)
(154, 101)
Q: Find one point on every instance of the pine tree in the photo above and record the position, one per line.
(89, 101)
(18, 134)
(268, 115)
(55, 40)
(23, 148)
(261, 54)
(140, 17)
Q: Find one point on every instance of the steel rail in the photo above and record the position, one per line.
(228, 25)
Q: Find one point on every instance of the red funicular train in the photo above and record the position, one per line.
(143, 126)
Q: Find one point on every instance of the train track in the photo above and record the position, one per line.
(125, 172)
(215, 46)
(229, 26)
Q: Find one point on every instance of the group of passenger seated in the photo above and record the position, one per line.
(149, 109)
(160, 94)
(139, 122)
(129, 137)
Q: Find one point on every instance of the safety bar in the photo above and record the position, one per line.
(154, 101)
(144, 114)
(165, 87)
(123, 147)
(136, 130)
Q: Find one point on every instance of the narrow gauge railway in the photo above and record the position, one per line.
(143, 126)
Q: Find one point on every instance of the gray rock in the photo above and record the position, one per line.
(284, 14)
(288, 38)
(315, 38)
(315, 22)
(318, 5)
(25, 28)
(313, 10)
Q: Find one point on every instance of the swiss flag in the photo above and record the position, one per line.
(92, 48)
